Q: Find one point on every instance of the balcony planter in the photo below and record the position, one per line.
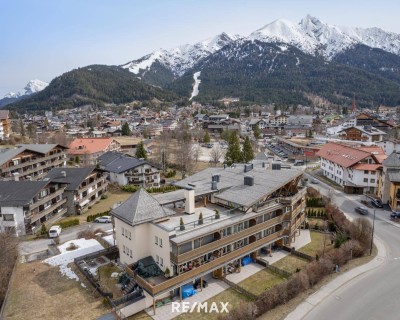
(217, 216)
(201, 218)
(167, 272)
(181, 225)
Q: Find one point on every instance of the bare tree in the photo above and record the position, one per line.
(184, 155)
(216, 154)
(196, 152)
(164, 149)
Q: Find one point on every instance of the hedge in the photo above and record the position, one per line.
(69, 223)
(314, 202)
(92, 217)
(316, 213)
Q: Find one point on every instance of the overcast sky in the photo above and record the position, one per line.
(41, 39)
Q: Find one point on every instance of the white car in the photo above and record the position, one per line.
(103, 219)
(54, 231)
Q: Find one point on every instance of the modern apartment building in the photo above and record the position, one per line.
(25, 205)
(31, 161)
(124, 170)
(85, 151)
(244, 209)
(356, 169)
(84, 186)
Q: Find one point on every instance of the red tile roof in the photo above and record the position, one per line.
(89, 145)
(367, 166)
(342, 155)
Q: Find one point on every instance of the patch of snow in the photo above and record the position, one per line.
(110, 239)
(297, 61)
(283, 48)
(33, 86)
(66, 257)
(114, 275)
(196, 84)
(83, 285)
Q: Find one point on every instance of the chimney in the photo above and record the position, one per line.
(189, 202)
(263, 164)
(63, 174)
(214, 185)
(248, 181)
(276, 166)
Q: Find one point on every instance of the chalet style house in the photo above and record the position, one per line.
(244, 209)
(31, 161)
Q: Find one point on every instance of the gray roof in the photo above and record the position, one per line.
(231, 186)
(74, 176)
(392, 161)
(40, 147)
(140, 208)
(394, 176)
(261, 156)
(19, 193)
(118, 162)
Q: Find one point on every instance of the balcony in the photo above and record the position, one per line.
(177, 281)
(51, 208)
(293, 199)
(46, 198)
(94, 191)
(217, 244)
(94, 183)
(37, 160)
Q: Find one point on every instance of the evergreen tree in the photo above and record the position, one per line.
(233, 154)
(140, 151)
(126, 131)
(206, 138)
(22, 127)
(247, 153)
(256, 132)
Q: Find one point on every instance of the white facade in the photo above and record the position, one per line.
(141, 241)
(12, 220)
(144, 175)
(1, 131)
(389, 146)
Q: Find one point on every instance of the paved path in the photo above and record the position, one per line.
(368, 292)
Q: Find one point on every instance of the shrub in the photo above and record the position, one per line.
(354, 248)
(69, 223)
(43, 229)
(244, 311)
(92, 217)
(316, 227)
(104, 196)
(181, 224)
(339, 256)
(340, 239)
(217, 216)
(201, 218)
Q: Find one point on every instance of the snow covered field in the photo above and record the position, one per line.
(66, 257)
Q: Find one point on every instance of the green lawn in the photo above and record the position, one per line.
(317, 244)
(233, 297)
(261, 281)
(290, 263)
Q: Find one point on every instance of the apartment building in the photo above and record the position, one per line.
(356, 169)
(25, 205)
(87, 150)
(362, 133)
(84, 186)
(31, 161)
(5, 120)
(245, 209)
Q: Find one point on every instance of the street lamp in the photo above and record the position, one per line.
(372, 238)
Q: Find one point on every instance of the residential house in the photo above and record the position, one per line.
(31, 161)
(300, 120)
(356, 169)
(364, 119)
(362, 133)
(84, 186)
(246, 209)
(261, 123)
(5, 120)
(125, 170)
(87, 150)
(25, 205)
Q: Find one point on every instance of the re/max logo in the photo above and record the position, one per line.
(205, 307)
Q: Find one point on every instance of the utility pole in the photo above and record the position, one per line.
(372, 238)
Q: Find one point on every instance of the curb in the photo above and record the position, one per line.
(304, 308)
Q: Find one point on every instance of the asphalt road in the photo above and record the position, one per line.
(375, 294)
(28, 247)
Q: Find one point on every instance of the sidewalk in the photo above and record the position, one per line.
(312, 301)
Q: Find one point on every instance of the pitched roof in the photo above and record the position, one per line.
(369, 130)
(41, 148)
(394, 176)
(118, 162)
(19, 193)
(73, 176)
(89, 145)
(392, 161)
(140, 208)
(367, 166)
(342, 155)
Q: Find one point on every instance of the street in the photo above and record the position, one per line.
(372, 295)
(28, 247)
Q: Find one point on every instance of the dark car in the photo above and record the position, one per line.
(377, 203)
(361, 210)
(395, 215)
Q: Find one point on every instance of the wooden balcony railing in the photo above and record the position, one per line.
(31, 162)
(176, 281)
(193, 254)
(46, 198)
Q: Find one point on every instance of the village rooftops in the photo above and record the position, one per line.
(117, 162)
(89, 145)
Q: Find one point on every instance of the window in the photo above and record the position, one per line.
(365, 179)
(130, 253)
(157, 259)
(156, 240)
(366, 171)
(160, 243)
(372, 180)
(124, 248)
(161, 262)
(8, 217)
(123, 231)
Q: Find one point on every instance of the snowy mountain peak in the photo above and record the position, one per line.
(33, 86)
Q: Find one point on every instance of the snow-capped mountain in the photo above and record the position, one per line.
(33, 86)
(180, 59)
(310, 35)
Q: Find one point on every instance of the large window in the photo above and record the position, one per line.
(8, 217)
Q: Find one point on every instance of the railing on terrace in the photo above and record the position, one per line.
(31, 162)
(217, 244)
(176, 281)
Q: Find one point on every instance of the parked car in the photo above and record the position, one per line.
(361, 210)
(103, 219)
(395, 215)
(54, 231)
(377, 203)
(315, 181)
